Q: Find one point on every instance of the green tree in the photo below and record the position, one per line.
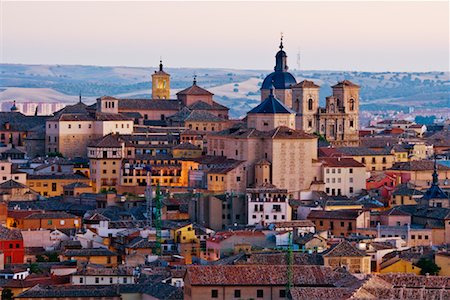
(427, 266)
(7, 294)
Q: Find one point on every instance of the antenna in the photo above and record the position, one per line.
(298, 59)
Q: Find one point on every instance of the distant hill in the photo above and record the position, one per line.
(238, 89)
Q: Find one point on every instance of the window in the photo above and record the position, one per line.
(97, 280)
(259, 293)
(81, 279)
(351, 190)
(237, 293)
(62, 222)
(49, 222)
(309, 123)
(363, 160)
(79, 126)
(18, 245)
(125, 280)
(238, 178)
(373, 160)
(282, 293)
(53, 186)
(342, 224)
(350, 179)
(413, 237)
(214, 293)
(310, 104)
(351, 123)
(69, 126)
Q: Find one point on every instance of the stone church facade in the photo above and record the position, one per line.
(338, 121)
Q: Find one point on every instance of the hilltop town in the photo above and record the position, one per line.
(173, 197)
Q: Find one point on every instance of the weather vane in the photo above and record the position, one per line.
(281, 42)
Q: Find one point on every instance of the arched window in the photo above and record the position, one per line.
(322, 128)
(310, 104)
(332, 107)
(338, 102)
(352, 104)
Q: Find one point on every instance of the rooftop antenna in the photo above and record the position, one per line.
(195, 79)
(80, 97)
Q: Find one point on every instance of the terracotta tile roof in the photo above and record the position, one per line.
(280, 258)
(341, 162)
(223, 235)
(55, 176)
(294, 223)
(111, 140)
(345, 83)
(202, 116)
(148, 104)
(394, 211)
(418, 165)
(201, 105)
(220, 275)
(11, 184)
(194, 90)
(362, 151)
(345, 249)
(306, 84)
(51, 215)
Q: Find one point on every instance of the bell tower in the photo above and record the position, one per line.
(160, 83)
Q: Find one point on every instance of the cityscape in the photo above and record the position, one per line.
(209, 182)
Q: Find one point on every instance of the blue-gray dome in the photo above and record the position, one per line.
(280, 80)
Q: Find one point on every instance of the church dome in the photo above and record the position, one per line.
(279, 80)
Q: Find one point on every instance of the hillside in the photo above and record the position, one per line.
(238, 89)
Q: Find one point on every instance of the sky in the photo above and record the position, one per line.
(353, 36)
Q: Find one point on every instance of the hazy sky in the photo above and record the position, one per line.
(364, 36)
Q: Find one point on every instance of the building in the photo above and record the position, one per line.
(343, 176)
(435, 196)
(71, 129)
(338, 122)
(100, 256)
(267, 204)
(420, 173)
(11, 245)
(255, 281)
(348, 256)
(102, 276)
(49, 185)
(340, 222)
(9, 172)
(34, 220)
(160, 83)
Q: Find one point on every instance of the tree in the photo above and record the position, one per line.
(427, 266)
(7, 294)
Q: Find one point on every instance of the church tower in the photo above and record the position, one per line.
(160, 84)
(280, 79)
(305, 98)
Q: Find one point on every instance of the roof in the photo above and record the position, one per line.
(271, 105)
(306, 84)
(89, 252)
(418, 165)
(394, 211)
(55, 176)
(281, 132)
(187, 146)
(236, 275)
(202, 116)
(344, 249)
(362, 151)
(20, 122)
(345, 83)
(51, 215)
(279, 80)
(404, 189)
(194, 90)
(111, 140)
(10, 234)
(65, 291)
(11, 184)
(345, 214)
(76, 185)
(341, 162)
(149, 104)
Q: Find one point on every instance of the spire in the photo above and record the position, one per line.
(80, 97)
(160, 65)
(281, 42)
(435, 173)
(195, 80)
(36, 111)
(281, 58)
